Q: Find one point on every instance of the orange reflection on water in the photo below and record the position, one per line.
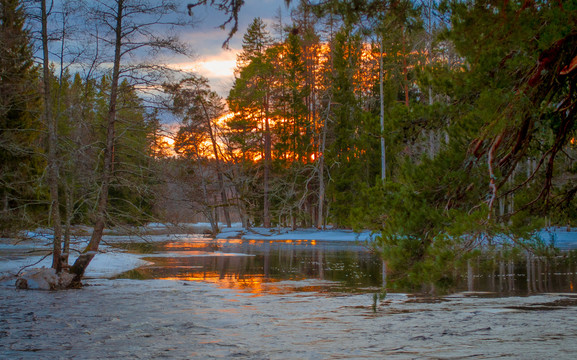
(233, 241)
(188, 245)
(256, 285)
(250, 283)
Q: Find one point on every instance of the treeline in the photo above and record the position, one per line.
(445, 126)
(79, 106)
(302, 144)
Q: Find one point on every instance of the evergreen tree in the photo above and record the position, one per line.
(351, 141)
(251, 99)
(131, 193)
(293, 134)
(510, 126)
(19, 121)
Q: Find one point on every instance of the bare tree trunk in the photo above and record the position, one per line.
(382, 115)
(432, 132)
(405, 68)
(267, 162)
(209, 211)
(321, 172)
(52, 147)
(84, 259)
(69, 214)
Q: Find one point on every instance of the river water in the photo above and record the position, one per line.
(337, 266)
(245, 299)
(260, 265)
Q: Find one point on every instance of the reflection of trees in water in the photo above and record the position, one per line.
(270, 261)
(350, 265)
(529, 275)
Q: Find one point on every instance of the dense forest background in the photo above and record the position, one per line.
(441, 125)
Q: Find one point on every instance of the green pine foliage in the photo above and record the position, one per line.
(131, 192)
(351, 157)
(20, 163)
(507, 165)
(80, 109)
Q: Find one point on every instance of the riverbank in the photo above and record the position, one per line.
(257, 233)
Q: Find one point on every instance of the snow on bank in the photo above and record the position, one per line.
(109, 264)
(561, 237)
(105, 264)
(300, 234)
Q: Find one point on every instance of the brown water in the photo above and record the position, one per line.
(264, 266)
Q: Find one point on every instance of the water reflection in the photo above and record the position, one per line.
(259, 266)
(527, 276)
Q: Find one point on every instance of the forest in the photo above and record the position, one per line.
(444, 126)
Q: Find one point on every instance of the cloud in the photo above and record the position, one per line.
(205, 38)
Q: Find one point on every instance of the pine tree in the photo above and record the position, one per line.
(251, 99)
(350, 145)
(131, 194)
(19, 123)
(505, 111)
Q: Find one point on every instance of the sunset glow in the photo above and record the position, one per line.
(217, 68)
(164, 147)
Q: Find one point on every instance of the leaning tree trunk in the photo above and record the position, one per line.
(219, 175)
(84, 259)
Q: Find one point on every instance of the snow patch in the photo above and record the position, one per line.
(299, 234)
(43, 279)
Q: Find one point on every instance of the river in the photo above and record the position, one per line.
(200, 298)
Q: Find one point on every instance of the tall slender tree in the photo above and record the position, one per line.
(53, 161)
(130, 27)
(251, 96)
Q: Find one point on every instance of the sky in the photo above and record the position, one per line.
(206, 39)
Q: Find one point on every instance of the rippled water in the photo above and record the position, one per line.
(315, 306)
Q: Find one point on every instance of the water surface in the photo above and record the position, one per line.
(273, 266)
